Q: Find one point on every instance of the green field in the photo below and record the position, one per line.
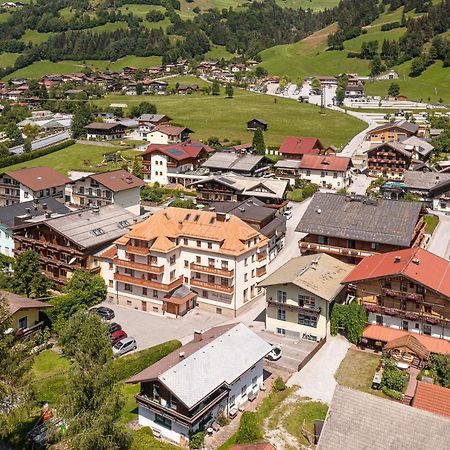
(219, 52)
(4, 17)
(35, 37)
(109, 27)
(140, 10)
(224, 118)
(40, 68)
(8, 59)
(74, 158)
(140, 62)
(315, 5)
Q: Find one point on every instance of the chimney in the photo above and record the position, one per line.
(96, 209)
(416, 261)
(44, 206)
(181, 355)
(221, 217)
(48, 214)
(397, 258)
(198, 336)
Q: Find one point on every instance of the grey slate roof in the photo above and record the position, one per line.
(403, 124)
(360, 421)
(319, 274)
(91, 228)
(419, 145)
(250, 209)
(225, 161)
(9, 213)
(288, 164)
(383, 221)
(424, 180)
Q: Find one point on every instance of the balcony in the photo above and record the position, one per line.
(138, 266)
(412, 296)
(261, 271)
(431, 319)
(334, 250)
(261, 256)
(137, 250)
(292, 307)
(149, 283)
(212, 286)
(212, 270)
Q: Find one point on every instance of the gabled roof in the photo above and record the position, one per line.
(360, 421)
(103, 126)
(233, 161)
(118, 180)
(425, 180)
(432, 398)
(420, 145)
(319, 274)
(360, 218)
(171, 130)
(333, 163)
(17, 302)
(411, 128)
(297, 145)
(396, 146)
(39, 178)
(414, 263)
(153, 118)
(215, 364)
(410, 342)
(180, 151)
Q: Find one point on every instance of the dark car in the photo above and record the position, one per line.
(113, 327)
(117, 336)
(104, 313)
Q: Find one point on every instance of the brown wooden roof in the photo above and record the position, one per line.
(411, 343)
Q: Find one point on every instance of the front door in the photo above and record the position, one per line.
(405, 325)
(144, 306)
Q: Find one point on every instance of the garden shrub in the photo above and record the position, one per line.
(196, 440)
(391, 393)
(352, 318)
(279, 384)
(250, 429)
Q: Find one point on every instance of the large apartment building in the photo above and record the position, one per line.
(178, 258)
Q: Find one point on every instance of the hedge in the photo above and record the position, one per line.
(23, 157)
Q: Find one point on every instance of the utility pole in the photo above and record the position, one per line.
(322, 100)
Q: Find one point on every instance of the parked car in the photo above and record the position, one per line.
(113, 327)
(126, 345)
(118, 336)
(104, 313)
(275, 354)
(288, 214)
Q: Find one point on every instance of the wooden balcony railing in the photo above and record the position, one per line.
(137, 250)
(292, 307)
(212, 270)
(151, 268)
(412, 296)
(261, 271)
(149, 283)
(212, 286)
(261, 256)
(334, 249)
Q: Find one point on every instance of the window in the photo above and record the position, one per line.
(205, 294)
(420, 289)
(172, 274)
(334, 174)
(244, 391)
(198, 259)
(405, 325)
(128, 287)
(23, 322)
(427, 330)
(25, 194)
(281, 314)
(306, 301)
(199, 243)
(185, 241)
(427, 309)
(224, 282)
(322, 174)
(254, 382)
(129, 271)
(246, 262)
(186, 263)
(172, 259)
(404, 286)
(211, 262)
(253, 273)
(387, 284)
(308, 173)
(281, 331)
(245, 277)
(307, 320)
(218, 310)
(144, 291)
(155, 293)
(211, 279)
(281, 296)
(253, 258)
(379, 319)
(111, 266)
(224, 265)
(110, 283)
(210, 245)
(163, 421)
(375, 246)
(322, 239)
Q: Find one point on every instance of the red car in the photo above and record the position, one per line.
(117, 336)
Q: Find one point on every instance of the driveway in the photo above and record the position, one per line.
(440, 240)
(316, 379)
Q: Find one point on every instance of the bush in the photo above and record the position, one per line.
(23, 157)
(393, 378)
(309, 190)
(441, 369)
(390, 26)
(391, 393)
(196, 440)
(279, 384)
(250, 429)
(352, 318)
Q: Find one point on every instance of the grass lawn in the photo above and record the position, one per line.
(40, 68)
(108, 27)
(35, 37)
(357, 370)
(432, 221)
(219, 52)
(8, 59)
(73, 157)
(315, 5)
(140, 62)
(227, 118)
(304, 413)
(140, 10)
(4, 16)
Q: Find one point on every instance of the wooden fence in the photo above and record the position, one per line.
(311, 354)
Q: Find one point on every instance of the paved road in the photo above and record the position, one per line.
(440, 241)
(360, 184)
(316, 379)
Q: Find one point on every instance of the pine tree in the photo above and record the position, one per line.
(229, 90)
(137, 169)
(81, 118)
(394, 90)
(258, 145)
(215, 88)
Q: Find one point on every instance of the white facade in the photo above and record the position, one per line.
(6, 241)
(409, 325)
(160, 172)
(326, 178)
(442, 203)
(159, 137)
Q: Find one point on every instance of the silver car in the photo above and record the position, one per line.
(125, 345)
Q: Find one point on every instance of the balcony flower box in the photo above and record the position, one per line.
(371, 308)
(390, 312)
(411, 316)
(389, 292)
(413, 297)
(432, 321)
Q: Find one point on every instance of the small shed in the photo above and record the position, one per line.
(408, 349)
(254, 124)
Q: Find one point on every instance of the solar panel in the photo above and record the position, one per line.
(123, 224)
(175, 152)
(98, 231)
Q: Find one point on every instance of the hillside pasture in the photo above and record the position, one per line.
(8, 59)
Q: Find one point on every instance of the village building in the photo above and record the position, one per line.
(105, 188)
(239, 163)
(23, 185)
(393, 132)
(354, 90)
(104, 131)
(432, 398)
(235, 188)
(68, 243)
(294, 147)
(301, 294)
(225, 379)
(419, 148)
(168, 134)
(147, 122)
(254, 124)
(186, 89)
(388, 160)
(353, 227)
(406, 289)
(179, 258)
(156, 87)
(173, 163)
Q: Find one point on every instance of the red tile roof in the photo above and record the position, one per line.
(183, 150)
(39, 178)
(386, 334)
(118, 180)
(414, 263)
(317, 162)
(297, 145)
(432, 398)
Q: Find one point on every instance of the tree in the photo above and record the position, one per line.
(260, 72)
(315, 85)
(258, 145)
(376, 66)
(28, 279)
(441, 369)
(340, 95)
(27, 145)
(186, 203)
(139, 88)
(215, 88)
(15, 377)
(394, 90)
(93, 400)
(81, 118)
(89, 289)
(13, 133)
(143, 108)
(229, 90)
(352, 318)
(137, 169)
